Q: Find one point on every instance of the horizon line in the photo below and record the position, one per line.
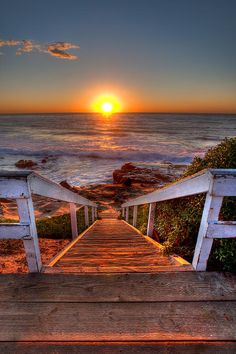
(128, 112)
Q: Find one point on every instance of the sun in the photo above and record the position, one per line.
(106, 104)
(107, 107)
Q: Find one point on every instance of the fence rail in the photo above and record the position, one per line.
(20, 186)
(217, 184)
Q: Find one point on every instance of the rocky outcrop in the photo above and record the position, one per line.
(25, 164)
(130, 173)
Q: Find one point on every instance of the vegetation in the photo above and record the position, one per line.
(59, 227)
(177, 221)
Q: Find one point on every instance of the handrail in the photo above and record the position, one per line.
(216, 183)
(20, 185)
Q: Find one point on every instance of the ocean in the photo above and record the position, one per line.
(85, 148)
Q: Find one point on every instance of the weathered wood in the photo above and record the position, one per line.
(151, 219)
(113, 321)
(31, 244)
(153, 347)
(42, 186)
(225, 186)
(203, 246)
(123, 212)
(14, 231)
(221, 230)
(198, 183)
(86, 216)
(73, 218)
(127, 214)
(93, 214)
(14, 188)
(133, 287)
(135, 214)
(107, 236)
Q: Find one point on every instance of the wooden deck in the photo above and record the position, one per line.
(111, 245)
(166, 312)
(113, 291)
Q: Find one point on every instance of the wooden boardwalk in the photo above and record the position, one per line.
(113, 291)
(111, 245)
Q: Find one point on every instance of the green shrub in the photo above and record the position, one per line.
(177, 221)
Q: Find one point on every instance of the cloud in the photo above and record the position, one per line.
(8, 43)
(59, 49)
(55, 49)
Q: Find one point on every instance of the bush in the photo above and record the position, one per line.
(178, 220)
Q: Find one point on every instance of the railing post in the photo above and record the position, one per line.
(73, 218)
(203, 246)
(96, 212)
(135, 213)
(93, 214)
(127, 214)
(31, 243)
(86, 216)
(123, 212)
(151, 219)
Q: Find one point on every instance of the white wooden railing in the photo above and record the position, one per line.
(217, 184)
(20, 186)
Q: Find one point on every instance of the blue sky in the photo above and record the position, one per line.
(154, 55)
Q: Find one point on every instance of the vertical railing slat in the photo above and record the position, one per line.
(135, 213)
(31, 244)
(73, 218)
(86, 216)
(151, 219)
(127, 214)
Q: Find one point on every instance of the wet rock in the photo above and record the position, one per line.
(129, 174)
(25, 164)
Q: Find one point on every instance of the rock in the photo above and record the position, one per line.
(67, 185)
(25, 163)
(129, 174)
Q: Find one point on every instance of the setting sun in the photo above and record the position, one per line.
(107, 107)
(106, 104)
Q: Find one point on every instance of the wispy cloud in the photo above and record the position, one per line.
(55, 49)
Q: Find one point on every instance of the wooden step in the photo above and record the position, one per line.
(187, 311)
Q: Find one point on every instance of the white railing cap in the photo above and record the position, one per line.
(194, 184)
(45, 187)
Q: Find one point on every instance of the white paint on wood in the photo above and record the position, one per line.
(93, 214)
(221, 230)
(127, 214)
(195, 184)
(42, 186)
(151, 219)
(86, 216)
(73, 218)
(14, 231)
(13, 188)
(26, 214)
(203, 246)
(225, 186)
(135, 214)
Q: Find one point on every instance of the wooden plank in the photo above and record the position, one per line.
(221, 231)
(203, 246)
(153, 347)
(133, 287)
(135, 214)
(69, 268)
(43, 186)
(86, 216)
(14, 188)
(14, 231)
(68, 247)
(151, 219)
(225, 186)
(198, 183)
(73, 218)
(113, 321)
(31, 244)
(127, 214)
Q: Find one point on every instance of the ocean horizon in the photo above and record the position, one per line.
(85, 148)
